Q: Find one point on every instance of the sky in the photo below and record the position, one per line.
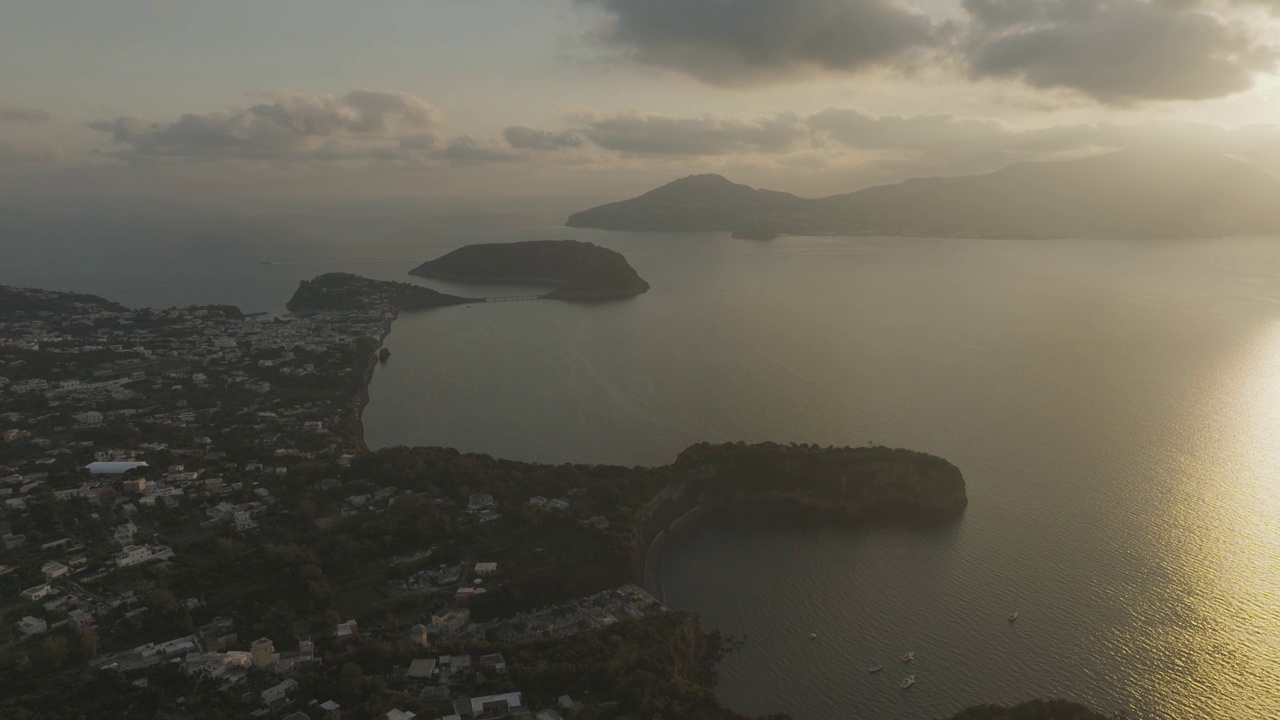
(472, 98)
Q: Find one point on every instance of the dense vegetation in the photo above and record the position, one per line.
(577, 270)
(344, 291)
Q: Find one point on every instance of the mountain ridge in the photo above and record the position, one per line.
(1139, 192)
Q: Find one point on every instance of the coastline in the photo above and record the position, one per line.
(655, 555)
(366, 373)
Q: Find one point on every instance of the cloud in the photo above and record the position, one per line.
(527, 138)
(1115, 51)
(292, 126)
(743, 42)
(646, 134)
(33, 116)
(466, 150)
(13, 152)
(1112, 51)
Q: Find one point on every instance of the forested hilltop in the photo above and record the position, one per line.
(576, 270)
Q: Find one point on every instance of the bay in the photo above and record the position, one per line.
(1114, 406)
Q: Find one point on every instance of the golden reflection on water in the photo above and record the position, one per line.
(1218, 633)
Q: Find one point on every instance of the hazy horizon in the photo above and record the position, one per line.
(607, 98)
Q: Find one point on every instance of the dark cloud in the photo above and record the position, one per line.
(466, 150)
(738, 42)
(527, 138)
(362, 123)
(1115, 51)
(643, 134)
(24, 115)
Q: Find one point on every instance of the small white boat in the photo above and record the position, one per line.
(909, 657)
(907, 682)
(1013, 617)
(813, 636)
(875, 669)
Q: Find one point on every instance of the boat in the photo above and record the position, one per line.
(1013, 617)
(875, 669)
(907, 682)
(813, 636)
(909, 657)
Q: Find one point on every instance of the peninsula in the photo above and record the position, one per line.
(1148, 192)
(335, 292)
(580, 271)
(195, 528)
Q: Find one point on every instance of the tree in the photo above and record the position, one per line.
(351, 683)
(89, 643)
(55, 650)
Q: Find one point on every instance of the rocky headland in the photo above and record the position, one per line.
(339, 292)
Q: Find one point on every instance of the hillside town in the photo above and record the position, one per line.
(188, 512)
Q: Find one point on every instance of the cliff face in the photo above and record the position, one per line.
(577, 270)
(848, 482)
(838, 483)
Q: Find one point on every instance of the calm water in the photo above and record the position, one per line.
(1115, 408)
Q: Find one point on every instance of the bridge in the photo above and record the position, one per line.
(512, 298)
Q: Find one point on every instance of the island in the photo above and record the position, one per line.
(195, 528)
(578, 271)
(1141, 192)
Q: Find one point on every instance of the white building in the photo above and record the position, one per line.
(92, 418)
(137, 554)
(27, 386)
(244, 521)
(32, 626)
(486, 568)
(38, 592)
(54, 569)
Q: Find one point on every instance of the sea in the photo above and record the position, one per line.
(1114, 407)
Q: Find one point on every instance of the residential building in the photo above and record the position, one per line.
(349, 630)
(132, 555)
(278, 693)
(38, 592)
(494, 704)
(54, 569)
(451, 621)
(264, 652)
(32, 626)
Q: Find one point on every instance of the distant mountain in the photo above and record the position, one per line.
(1139, 192)
(577, 270)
